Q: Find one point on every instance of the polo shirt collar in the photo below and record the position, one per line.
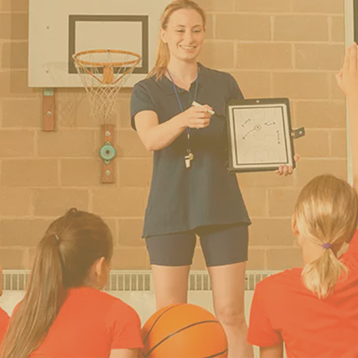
(167, 86)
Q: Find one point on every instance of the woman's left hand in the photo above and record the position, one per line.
(286, 169)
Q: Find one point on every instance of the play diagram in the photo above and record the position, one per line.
(260, 136)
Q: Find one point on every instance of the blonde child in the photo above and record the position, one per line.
(314, 311)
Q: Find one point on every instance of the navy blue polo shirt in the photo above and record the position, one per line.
(182, 199)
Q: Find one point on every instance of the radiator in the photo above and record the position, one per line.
(136, 289)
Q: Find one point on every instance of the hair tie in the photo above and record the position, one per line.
(57, 239)
(327, 245)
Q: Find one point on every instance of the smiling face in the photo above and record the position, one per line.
(184, 34)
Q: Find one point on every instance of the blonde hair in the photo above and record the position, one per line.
(163, 54)
(63, 259)
(326, 213)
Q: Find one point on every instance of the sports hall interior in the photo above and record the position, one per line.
(273, 48)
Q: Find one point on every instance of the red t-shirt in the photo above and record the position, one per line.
(284, 310)
(89, 325)
(4, 322)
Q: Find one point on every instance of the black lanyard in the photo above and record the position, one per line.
(190, 155)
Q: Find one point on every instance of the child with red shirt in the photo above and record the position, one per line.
(4, 318)
(314, 310)
(64, 314)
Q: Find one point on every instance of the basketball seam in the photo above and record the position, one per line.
(157, 319)
(174, 333)
(217, 354)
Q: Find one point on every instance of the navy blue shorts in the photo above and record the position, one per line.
(221, 245)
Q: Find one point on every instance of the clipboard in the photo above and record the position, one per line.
(260, 135)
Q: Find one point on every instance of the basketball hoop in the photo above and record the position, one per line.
(103, 73)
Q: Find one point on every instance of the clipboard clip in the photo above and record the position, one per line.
(298, 133)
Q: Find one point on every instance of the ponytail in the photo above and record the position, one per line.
(63, 259)
(163, 54)
(38, 310)
(321, 275)
(326, 214)
(161, 62)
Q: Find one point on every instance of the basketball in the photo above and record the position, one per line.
(183, 331)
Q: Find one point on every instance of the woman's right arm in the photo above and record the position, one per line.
(157, 136)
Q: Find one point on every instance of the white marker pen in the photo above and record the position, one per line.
(196, 104)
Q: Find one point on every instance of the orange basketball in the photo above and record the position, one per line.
(183, 331)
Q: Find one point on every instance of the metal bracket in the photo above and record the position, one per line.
(107, 153)
(298, 133)
(48, 110)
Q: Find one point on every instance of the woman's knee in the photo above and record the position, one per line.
(231, 315)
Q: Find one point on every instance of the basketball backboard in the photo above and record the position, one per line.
(61, 28)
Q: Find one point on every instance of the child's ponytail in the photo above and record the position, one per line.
(38, 310)
(326, 213)
(321, 275)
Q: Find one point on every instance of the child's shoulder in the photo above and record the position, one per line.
(89, 294)
(350, 257)
(116, 304)
(280, 281)
(105, 303)
(3, 315)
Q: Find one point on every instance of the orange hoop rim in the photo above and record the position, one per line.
(80, 62)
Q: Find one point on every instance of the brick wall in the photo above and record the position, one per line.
(273, 48)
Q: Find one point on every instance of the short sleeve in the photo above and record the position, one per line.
(141, 100)
(261, 332)
(235, 91)
(4, 322)
(125, 326)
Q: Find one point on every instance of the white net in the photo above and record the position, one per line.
(103, 73)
